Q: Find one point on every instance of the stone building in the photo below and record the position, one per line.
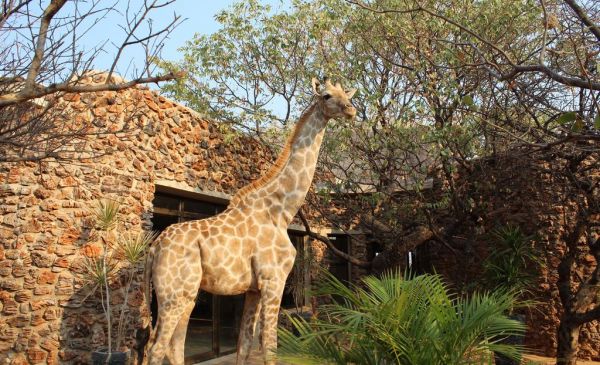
(163, 163)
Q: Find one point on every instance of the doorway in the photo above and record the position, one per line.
(214, 323)
(339, 267)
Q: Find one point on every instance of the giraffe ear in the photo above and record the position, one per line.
(316, 86)
(350, 93)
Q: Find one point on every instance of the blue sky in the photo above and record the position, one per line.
(199, 16)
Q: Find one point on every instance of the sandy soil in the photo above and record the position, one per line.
(539, 360)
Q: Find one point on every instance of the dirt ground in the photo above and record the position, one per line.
(255, 360)
(539, 360)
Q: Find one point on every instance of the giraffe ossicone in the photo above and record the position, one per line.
(244, 249)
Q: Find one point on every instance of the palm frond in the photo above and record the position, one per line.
(397, 319)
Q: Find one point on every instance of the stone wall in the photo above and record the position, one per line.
(520, 190)
(45, 206)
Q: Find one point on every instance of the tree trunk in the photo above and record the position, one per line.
(568, 341)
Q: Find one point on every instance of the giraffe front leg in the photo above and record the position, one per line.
(248, 326)
(270, 299)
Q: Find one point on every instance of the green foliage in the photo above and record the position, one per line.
(256, 60)
(566, 117)
(468, 100)
(97, 271)
(513, 263)
(254, 73)
(442, 203)
(396, 320)
(577, 125)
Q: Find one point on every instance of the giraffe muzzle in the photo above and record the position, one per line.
(350, 112)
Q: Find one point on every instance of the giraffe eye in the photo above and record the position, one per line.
(326, 97)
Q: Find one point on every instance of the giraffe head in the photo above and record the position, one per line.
(333, 99)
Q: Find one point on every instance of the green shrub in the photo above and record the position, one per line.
(402, 320)
(513, 263)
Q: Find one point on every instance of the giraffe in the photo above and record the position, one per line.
(244, 249)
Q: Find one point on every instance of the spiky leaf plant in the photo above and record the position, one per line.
(120, 258)
(513, 262)
(97, 271)
(133, 247)
(105, 214)
(410, 320)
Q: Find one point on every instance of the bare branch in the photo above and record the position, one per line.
(565, 80)
(330, 245)
(34, 68)
(15, 98)
(9, 9)
(134, 27)
(544, 37)
(588, 316)
(595, 29)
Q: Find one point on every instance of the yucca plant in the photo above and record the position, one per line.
(409, 320)
(98, 270)
(121, 254)
(105, 215)
(132, 249)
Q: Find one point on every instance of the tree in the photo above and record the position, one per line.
(44, 58)
(239, 74)
(564, 58)
(411, 116)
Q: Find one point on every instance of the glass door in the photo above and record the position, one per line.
(214, 323)
(201, 328)
(339, 267)
(230, 317)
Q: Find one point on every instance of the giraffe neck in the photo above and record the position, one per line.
(291, 185)
(285, 189)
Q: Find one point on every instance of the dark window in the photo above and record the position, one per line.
(160, 222)
(201, 208)
(166, 202)
(339, 267)
(184, 209)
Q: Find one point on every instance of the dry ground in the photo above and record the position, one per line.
(549, 361)
(255, 360)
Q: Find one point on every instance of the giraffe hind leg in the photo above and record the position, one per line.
(168, 318)
(176, 353)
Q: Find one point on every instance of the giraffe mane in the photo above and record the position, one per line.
(281, 161)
